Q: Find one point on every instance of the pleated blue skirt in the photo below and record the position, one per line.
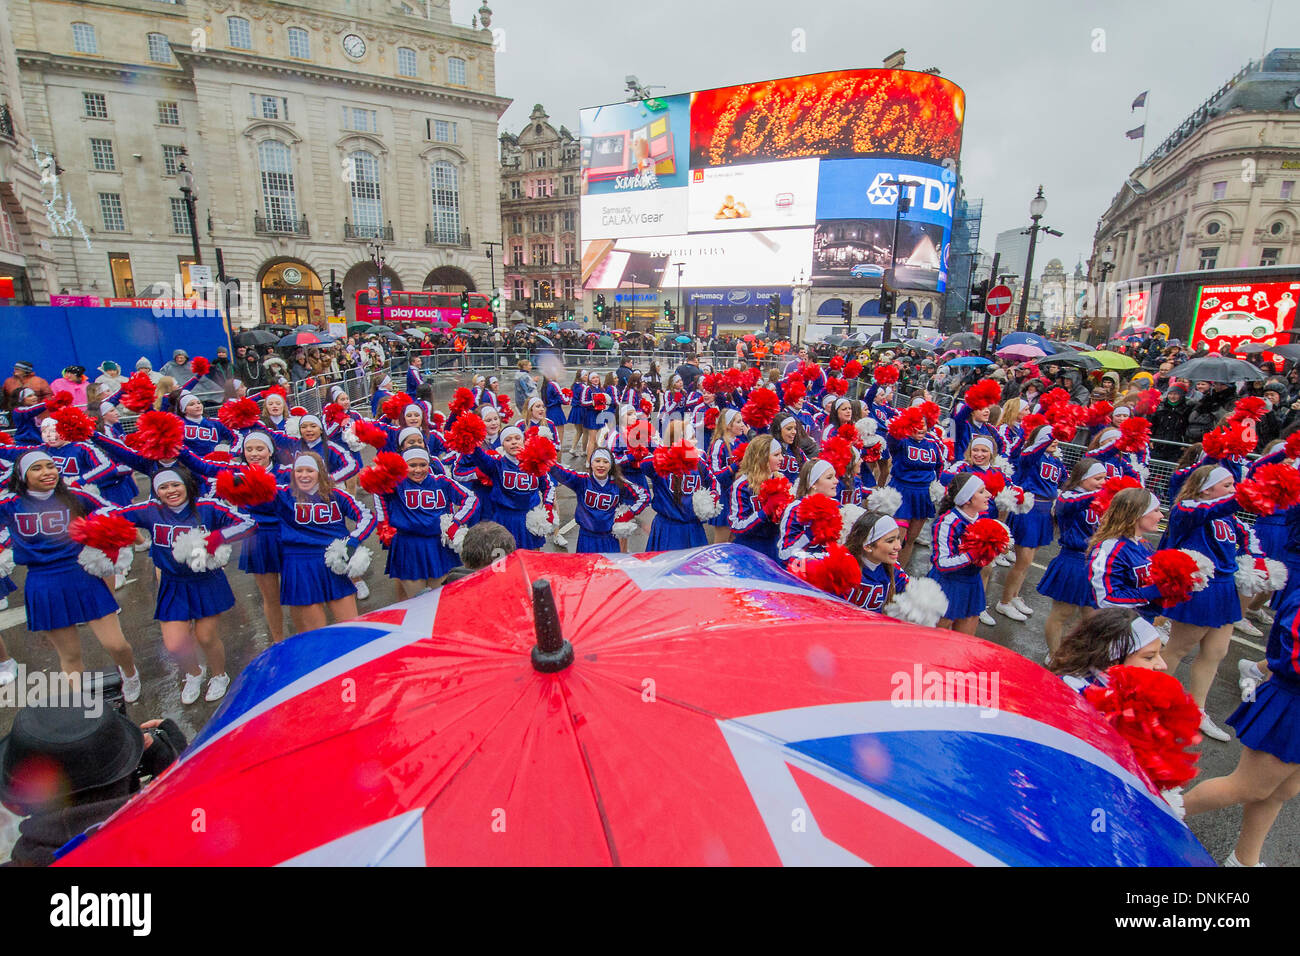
(120, 492)
(192, 598)
(964, 591)
(305, 580)
(1033, 530)
(666, 535)
(916, 501)
(414, 557)
(259, 553)
(516, 522)
(62, 594)
(1271, 722)
(7, 586)
(1215, 605)
(1066, 579)
(1271, 531)
(590, 542)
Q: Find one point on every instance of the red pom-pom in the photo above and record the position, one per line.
(811, 371)
(752, 376)
(711, 383)
(108, 533)
(1147, 401)
(907, 423)
(983, 394)
(1032, 423)
(672, 460)
(1171, 573)
(218, 457)
(6, 438)
(984, 539)
(1134, 434)
(384, 474)
(732, 380)
(138, 392)
(994, 480)
(394, 405)
(838, 572)
(837, 386)
(836, 363)
(58, 400)
(438, 421)
(1064, 431)
(1156, 716)
(297, 411)
(1109, 490)
(1053, 397)
(852, 369)
(1098, 413)
(334, 414)
(537, 457)
(738, 452)
(565, 393)
(711, 418)
(249, 486)
(873, 453)
(239, 413)
(838, 452)
(849, 433)
(600, 401)
(1292, 445)
(385, 532)
(200, 366)
(888, 375)
(369, 434)
(158, 436)
(1248, 408)
(646, 406)
(462, 400)
(637, 436)
(1227, 440)
(774, 497)
(1272, 488)
(275, 390)
(503, 407)
(932, 413)
(761, 408)
(466, 434)
(794, 391)
(73, 424)
(822, 516)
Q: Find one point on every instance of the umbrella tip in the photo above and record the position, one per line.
(552, 652)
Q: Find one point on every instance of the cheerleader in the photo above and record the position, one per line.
(514, 493)
(28, 414)
(80, 464)
(1011, 430)
(1119, 558)
(1270, 530)
(636, 430)
(607, 503)
(876, 540)
(708, 402)
(1106, 639)
(35, 516)
(202, 435)
(534, 416)
(553, 398)
(917, 461)
(1268, 771)
(417, 509)
(1201, 521)
(577, 414)
(682, 499)
(1039, 472)
(473, 478)
(1104, 448)
(1066, 579)
(882, 412)
(789, 434)
(727, 437)
(796, 538)
(274, 409)
(318, 554)
(189, 601)
(482, 394)
(979, 460)
(117, 485)
(381, 389)
(974, 416)
(1187, 463)
(843, 412)
(596, 402)
(750, 524)
(345, 412)
(957, 573)
(259, 552)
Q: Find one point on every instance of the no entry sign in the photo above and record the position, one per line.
(998, 300)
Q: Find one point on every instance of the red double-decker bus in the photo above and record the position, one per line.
(420, 308)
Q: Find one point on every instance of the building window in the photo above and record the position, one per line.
(365, 121)
(169, 113)
(519, 289)
(516, 226)
(1277, 228)
(367, 210)
(570, 255)
(456, 70)
(278, 201)
(568, 219)
(172, 158)
(83, 38)
(515, 192)
(1220, 189)
(446, 202)
(180, 218)
(241, 37)
(119, 267)
(517, 254)
(299, 43)
(541, 255)
(568, 288)
(569, 187)
(1270, 256)
(269, 107)
(110, 211)
(95, 105)
(1212, 228)
(1287, 186)
(405, 61)
(101, 155)
(441, 131)
(1209, 257)
(160, 51)
(8, 235)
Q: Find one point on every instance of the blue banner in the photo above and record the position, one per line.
(854, 189)
(737, 297)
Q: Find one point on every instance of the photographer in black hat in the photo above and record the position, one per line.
(67, 769)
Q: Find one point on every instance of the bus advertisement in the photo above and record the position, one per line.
(421, 308)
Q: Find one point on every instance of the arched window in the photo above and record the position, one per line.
(446, 203)
(278, 200)
(299, 43)
(241, 36)
(83, 38)
(160, 51)
(367, 210)
(405, 61)
(456, 70)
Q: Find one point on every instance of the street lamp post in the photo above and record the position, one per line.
(901, 205)
(1037, 206)
(376, 248)
(190, 194)
(677, 324)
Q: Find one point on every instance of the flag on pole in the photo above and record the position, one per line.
(1137, 132)
(1140, 101)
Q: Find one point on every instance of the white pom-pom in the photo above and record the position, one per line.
(1204, 569)
(1011, 539)
(537, 522)
(866, 427)
(1006, 499)
(1002, 465)
(359, 563)
(98, 565)
(625, 529)
(190, 548)
(1255, 576)
(937, 490)
(849, 514)
(292, 427)
(922, 603)
(706, 504)
(1144, 473)
(1276, 574)
(458, 540)
(1174, 797)
(1027, 502)
(884, 500)
(7, 562)
(350, 436)
(336, 556)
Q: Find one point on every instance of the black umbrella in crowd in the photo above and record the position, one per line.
(962, 340)
(1288, 352)
(1078, 359)
(1218, 368)
(256, 337)
(474, 326)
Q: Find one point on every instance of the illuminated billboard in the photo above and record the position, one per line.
(1244, 312)
(706, 259)
(755, 196)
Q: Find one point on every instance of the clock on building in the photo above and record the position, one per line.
(354, 46)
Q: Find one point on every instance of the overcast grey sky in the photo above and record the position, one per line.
(1041, 105)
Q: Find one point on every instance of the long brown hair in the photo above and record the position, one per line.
(1120, 520)
(950, 496)
(1086, 647)
(325, 488)
(753, 466)
(1190, 455)
(1195, 483)
(1077, 472)
(856, 544)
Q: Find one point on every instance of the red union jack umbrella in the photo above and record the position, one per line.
(694, 707)
(306, 338)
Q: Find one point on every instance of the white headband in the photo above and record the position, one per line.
(1139, 635)
(336, 391)
(511, 429)
(407, 432)
(419, 453)
(918, 400)
(983, 440)
(967, 491)
(1153, 504)
(1095, 469)
(306, 461)
(106, 407)
(1218, 474)
(602, 453)
(886, 525)
(24, 392)
(29, 459)
(165, 476)
(185, 399)
(842, 403)
(819, 468)
(1109, 435)
(304, 419)
(729, 416)
(386, 382)
(236, 383)
(1121, 411)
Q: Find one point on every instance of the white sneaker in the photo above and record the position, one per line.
(1247, 680)
(119, 582)
(142, 547)
(1259, 615)
(130, 686)
(987, 618)
(1233, 861)
(1245, 627)
(1212, 730)
(4, 603)
(1011, 611)
(8, 671)
(1021, 606)
(922, 542)
(363, 590)
(193, 684)
(217, 687)
(1002, 561)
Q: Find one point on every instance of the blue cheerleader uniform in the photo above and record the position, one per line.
(183, 594)
(307, 528)
(724, 471)
(1013, 439)
(79, 464)
(963, 431)
(622, 452)
(1041, 475)
(203, 435)
(916, 463)
(27, 430)
(675, 525)
(259, 552)
(883, 413)
(117, 486)
(1066, 578)
(963, 467)
(1207, 527)
(792, 460)
(794, 540)
(1270, 529)
(750, 525)
(1271, 722)
(1119, 570)
(512, 495)
(415, 510)
(58, 591)
(601, 504)
(554, 399)
(957, 574)
(871, 591)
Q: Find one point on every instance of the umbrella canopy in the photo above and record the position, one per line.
(256, 337)
(616, 739)
(1083, 360)
(1218, 368)
(969, 360)
(605, 342)
(474, 326)
(1021, 352)
(836, 340)
(569, 327)
(305, 338)
(1288, 352)
(385, 332)
(683, 339)
(542, 339)
(413, 334)
(962, 340)
(355, 327)
(921, 345)
(439, 324)
(1080, 346)
(1028, 338)
(1113, 359)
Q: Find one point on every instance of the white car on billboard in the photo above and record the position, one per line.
(1237, 323)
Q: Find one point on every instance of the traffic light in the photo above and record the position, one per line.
(600, 306)
(464, 304)
(846, 309)
(978, 292)
(888, 301)
(336, 298)
(496, 302)
(668, 309)
(774, 307)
